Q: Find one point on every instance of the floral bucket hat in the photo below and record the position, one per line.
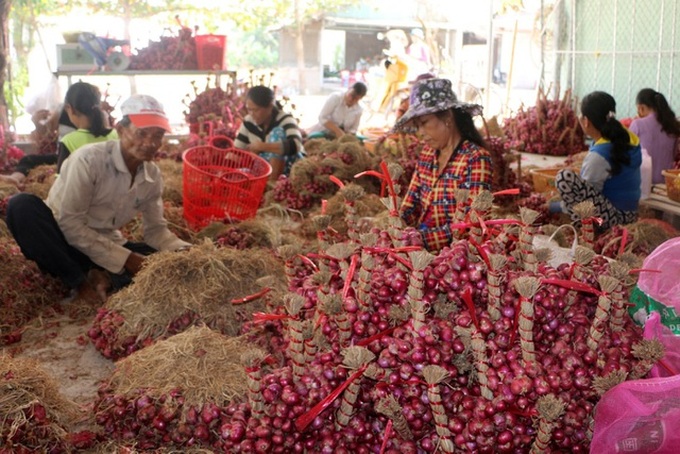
(431, 96)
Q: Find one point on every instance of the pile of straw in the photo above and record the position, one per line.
(33, 414)
(202, 280)
(203, 364)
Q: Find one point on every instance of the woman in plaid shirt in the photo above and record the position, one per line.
(454, 157)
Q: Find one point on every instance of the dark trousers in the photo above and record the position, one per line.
(37, 233)
(31, 161)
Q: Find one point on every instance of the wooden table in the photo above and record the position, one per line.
(662, 203)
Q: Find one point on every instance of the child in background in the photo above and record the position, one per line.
(658, 130)
(610, 173)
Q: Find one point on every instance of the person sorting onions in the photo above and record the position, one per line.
(340, 114)
(454, 156)
(74, 234)
(610, 173)
(269, 132)
(658, 130)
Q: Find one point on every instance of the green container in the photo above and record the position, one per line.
(640, 300)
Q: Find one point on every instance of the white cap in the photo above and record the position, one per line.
(145, 111)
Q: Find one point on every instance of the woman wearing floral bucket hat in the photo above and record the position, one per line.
(454, 157)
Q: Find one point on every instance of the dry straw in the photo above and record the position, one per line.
(24, 384)
(203, 280)
(172, 180)
(203, 364)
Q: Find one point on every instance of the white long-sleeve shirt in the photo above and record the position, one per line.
(335, 110)
(95, 195)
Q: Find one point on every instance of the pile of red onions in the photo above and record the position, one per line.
(381, 347)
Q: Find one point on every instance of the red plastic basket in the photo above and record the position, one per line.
(222, 184)
(211, 52)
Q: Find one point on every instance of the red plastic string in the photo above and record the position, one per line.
(373, 173)
(350, 275)
(261, 317)
(482, 252)
(572, 285)
(515, 322)
(530, 413)
(388, 429)
(316, 255)
(467, 298)
(390, 183)
(303, 421)
(411, 381)
(249, 298)
(337, 181)
(324, 206)
(572, 267)
(306, 260)
(322, 318)
(385, 250)
(503, 222)
(364, 342)
(514, 191)
(643, 270)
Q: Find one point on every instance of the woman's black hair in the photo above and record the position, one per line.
(85, 99)
(466, 126)
(64, 119)
(600, 109)
(262, 96)
(658, 103)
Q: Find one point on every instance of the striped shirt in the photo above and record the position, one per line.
(430, 204)
(252, 133)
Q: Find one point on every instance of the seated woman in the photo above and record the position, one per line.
(269, 132)
(658, 130)
(454, 156)
(610, 173)
(84, 110)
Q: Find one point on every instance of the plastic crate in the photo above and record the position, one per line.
(219, 184)
(211, 52)
(672, 177)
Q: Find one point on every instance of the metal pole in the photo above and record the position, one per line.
(542, 77)
(670, 71)
(489, 71)
(573, 45)
(557, 43)
(632, 46)
(658, 60)
(616, 27)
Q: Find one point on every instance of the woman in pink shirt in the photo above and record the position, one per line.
(658, 130)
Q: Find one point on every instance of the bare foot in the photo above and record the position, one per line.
(100, 281)
(94, 288)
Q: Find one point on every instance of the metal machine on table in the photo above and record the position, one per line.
(100, 49)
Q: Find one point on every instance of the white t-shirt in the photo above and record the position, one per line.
(95, 195)
(335, 110)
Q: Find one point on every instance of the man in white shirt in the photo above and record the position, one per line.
(340, 114)
(74, 234)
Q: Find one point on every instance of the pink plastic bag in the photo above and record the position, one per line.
(670, 363)
(664, 285)
(639, 416)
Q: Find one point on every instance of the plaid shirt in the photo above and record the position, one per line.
(429, 204)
